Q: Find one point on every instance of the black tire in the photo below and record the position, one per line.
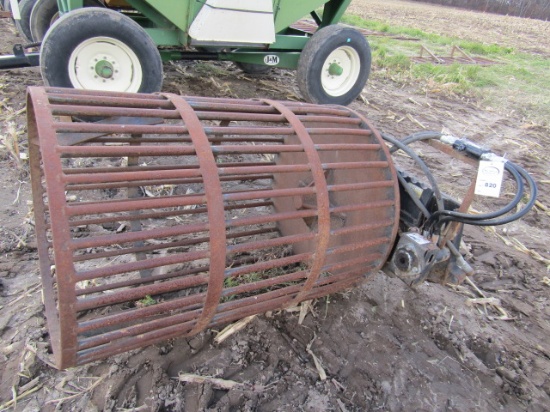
(251, 68)
(313, 64)
(119, 37)
(45, 13)
(23, 25)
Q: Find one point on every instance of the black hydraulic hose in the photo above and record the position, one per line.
(419, 162)
(508, 166)
(415, 137)
(533, 191)
(486, 219)
(491, 215)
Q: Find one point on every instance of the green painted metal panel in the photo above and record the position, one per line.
(165, 37)
(290, 11)
(74, 4)
(287, 42)
(169, 55)
(333, 11)
(284, 60)
(68, 5)
(155, 18)
(178, 12)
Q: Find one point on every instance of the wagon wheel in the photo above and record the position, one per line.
(23, 25)
(251, 68)
(45, 13)
(100, 49)
(334, 66)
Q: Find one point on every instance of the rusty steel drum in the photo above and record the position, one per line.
(158, 216)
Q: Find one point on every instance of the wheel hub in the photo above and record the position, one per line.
(104, 69)
(335, 69)
(105, 63)
(340, 71)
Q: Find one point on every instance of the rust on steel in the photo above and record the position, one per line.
(158, 216)
(321, 194)
(215, 206)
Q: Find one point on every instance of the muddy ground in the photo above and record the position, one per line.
(383, 345)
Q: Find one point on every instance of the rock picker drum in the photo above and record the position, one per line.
(158, 216)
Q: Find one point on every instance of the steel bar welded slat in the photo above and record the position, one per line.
(233, 223)
(162, 182)
(134, 294)
(150, 150)
(105, 177)
(127, 205)
(141, 313)
(270, 264)
(137, 265)
(159, 215)
(154, 168)
(220, 138)
(170, 245)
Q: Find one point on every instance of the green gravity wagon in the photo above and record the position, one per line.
(119, 45)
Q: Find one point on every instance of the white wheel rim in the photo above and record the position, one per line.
(104, 63)
(348, 60)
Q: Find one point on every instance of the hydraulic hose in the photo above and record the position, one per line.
(437, 193)
(469, 219)
(442, 216)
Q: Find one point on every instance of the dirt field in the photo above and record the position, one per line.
(383, 346)
(523, 34)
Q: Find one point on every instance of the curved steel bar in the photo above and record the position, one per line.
(321, 193)
(214, 203)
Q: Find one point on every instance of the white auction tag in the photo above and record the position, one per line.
(489, 177)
